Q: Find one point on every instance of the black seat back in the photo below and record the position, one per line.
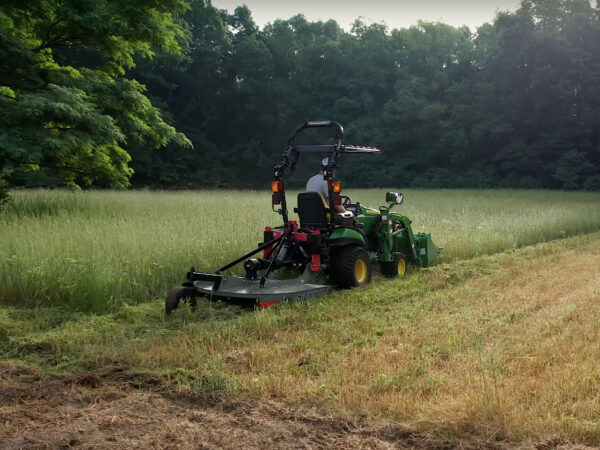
(311, 210)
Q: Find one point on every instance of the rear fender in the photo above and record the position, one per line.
(345, 236)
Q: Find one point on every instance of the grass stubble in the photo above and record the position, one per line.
(502, 346)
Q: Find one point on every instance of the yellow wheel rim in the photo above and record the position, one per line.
(401, 266)
(360, 271)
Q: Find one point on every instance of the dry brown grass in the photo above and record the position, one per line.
(505, 347)
(66, 413)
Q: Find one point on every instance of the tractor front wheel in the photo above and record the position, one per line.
(176, 295)
(396, 268)
(351, 267)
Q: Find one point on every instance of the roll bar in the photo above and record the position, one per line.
(292, 153)
(339, 130)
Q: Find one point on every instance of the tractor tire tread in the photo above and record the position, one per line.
(344, 263)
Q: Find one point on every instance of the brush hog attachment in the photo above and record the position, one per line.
(244, 291)
(267, 281)
(249, 291)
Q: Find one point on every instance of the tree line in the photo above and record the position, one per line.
(179, 93)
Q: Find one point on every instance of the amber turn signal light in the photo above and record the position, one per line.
(337, 186)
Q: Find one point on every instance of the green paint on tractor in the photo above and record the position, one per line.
(344, 236)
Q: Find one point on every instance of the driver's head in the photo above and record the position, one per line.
(324, 164)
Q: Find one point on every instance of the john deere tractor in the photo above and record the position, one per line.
(328, 247)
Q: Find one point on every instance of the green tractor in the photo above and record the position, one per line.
(328, 248)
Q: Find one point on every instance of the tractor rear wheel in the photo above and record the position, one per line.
(396, 268)
(176, 295)
(351, 267)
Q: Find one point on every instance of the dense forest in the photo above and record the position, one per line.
(179, 93)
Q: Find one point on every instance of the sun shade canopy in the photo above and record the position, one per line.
(330, 148)
(333, 151)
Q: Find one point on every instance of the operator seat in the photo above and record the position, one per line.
(312, 211)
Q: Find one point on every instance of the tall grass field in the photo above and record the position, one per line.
(96, 251)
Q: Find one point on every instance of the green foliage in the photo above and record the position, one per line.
(511, 104)
(64, 102)
(572, 169)
(499, 107)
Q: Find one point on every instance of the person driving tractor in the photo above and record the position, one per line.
(317, 184)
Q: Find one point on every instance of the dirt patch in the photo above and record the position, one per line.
(103, 410)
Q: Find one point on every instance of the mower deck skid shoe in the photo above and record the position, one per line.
(241, 289)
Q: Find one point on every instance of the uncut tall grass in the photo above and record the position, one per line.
(97, 250)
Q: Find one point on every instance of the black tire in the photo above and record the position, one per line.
(396, 268)
(176, 295)
(351, 267)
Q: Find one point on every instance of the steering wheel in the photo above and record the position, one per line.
(345, 200)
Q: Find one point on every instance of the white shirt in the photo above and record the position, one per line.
(318, 184)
